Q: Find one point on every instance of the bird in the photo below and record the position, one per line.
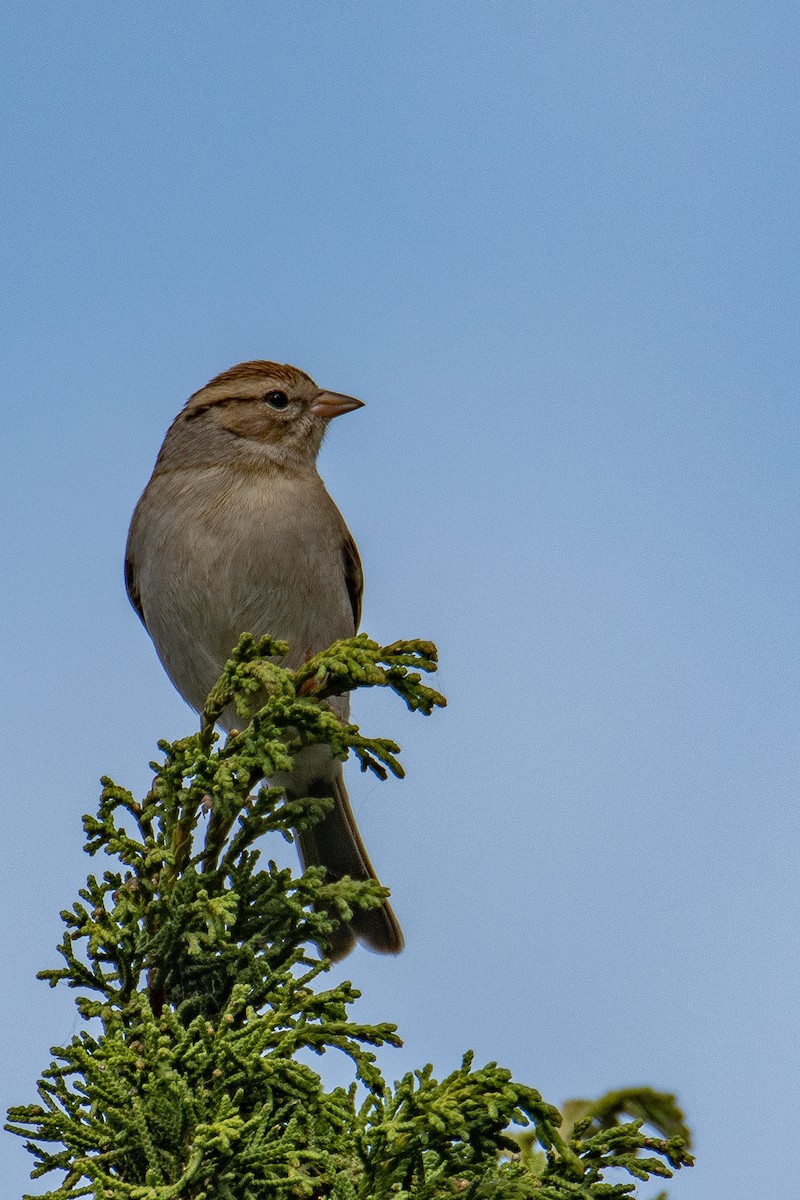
(236, 533)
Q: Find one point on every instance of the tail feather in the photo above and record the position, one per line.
(335, 843)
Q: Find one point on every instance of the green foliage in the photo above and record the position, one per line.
(199, 987)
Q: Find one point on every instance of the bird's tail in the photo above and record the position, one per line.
(335, 843)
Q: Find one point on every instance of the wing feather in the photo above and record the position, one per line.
(353, 576)
(132, 587)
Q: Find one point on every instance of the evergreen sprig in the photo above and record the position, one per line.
(200, 975)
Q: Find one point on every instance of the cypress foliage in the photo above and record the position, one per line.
(201, 976)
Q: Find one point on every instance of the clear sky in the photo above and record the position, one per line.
(554, 247)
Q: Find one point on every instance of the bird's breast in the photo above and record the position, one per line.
(228, 552)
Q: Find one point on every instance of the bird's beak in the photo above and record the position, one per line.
(333, 404)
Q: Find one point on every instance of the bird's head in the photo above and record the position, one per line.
(256, 412)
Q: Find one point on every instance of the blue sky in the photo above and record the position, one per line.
(553, 246)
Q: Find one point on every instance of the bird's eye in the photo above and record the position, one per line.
(277, 400)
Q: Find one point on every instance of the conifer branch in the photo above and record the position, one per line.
(201, 973)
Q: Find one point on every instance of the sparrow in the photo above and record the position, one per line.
(235, 533)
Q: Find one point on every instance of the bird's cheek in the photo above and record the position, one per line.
(250, 421)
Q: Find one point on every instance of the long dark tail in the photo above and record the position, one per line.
(335, 843)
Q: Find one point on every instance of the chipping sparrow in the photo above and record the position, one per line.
(236, 533)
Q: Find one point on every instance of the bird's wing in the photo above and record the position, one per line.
(353, 576)
(132, 586)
